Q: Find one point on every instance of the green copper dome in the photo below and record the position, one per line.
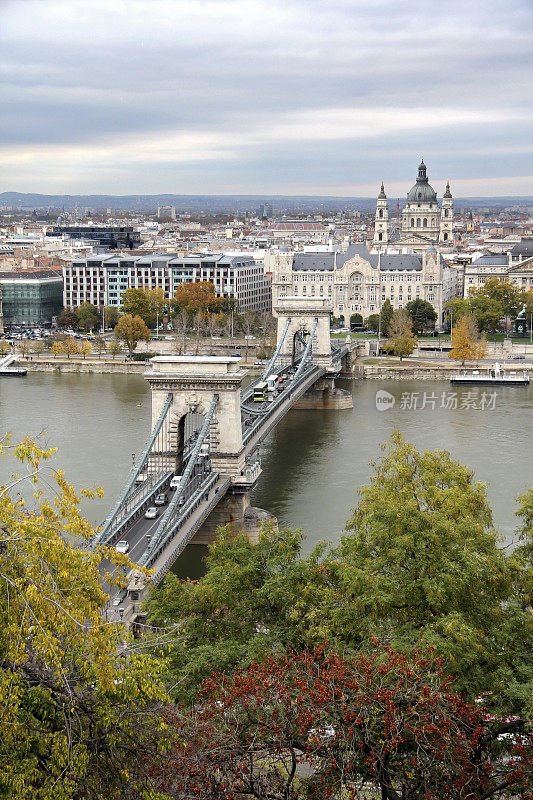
(422, 192)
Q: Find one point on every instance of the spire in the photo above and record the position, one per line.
(422, 177)
(447, 193)
(382, 195)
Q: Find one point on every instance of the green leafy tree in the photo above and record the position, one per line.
(110, 316)
(372, 322)
(505, 292)
(77, 719)
(422, 313)
(87, 317)
(401, 341)
(486, 311)
(147, 304)
(387, 313)
(115, 347)
(421, 566)
(100, 345)
(131, 330)
(253, 599)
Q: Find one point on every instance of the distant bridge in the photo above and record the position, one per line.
(206, 429)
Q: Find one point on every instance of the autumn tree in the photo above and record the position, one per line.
(71, 346)
(131, 330)
(86, 348)
(466, 342)
(67, 319)
(149, 304)
(401, 341)
(38, 348)
(5, 348)
(195, 297)
(57, 348)
(321, 725)
(24, 347)
(78, 720)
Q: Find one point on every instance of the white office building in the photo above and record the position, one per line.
(101, 280)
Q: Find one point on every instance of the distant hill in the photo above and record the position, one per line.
(225, 203)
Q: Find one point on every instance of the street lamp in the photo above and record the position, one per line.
(121, 613)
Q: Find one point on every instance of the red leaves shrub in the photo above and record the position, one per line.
(324, 726)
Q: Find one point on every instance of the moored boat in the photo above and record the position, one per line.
(493, 377)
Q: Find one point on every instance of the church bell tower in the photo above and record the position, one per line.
(381, 226)
(446, 217)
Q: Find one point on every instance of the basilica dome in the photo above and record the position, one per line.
(422, 192)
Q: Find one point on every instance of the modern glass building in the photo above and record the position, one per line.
(31, 298)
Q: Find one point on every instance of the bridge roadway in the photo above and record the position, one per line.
(258, 421)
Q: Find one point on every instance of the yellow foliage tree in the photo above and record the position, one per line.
(86, 348)
(401, 341)
(131, 330)
(71, 346)
(76, 717)
(467, 345)
(57, 348)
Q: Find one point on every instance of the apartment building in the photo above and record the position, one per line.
(102, 280)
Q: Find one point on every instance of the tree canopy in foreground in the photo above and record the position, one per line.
(77, 716)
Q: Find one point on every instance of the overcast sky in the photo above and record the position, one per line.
(266, 96)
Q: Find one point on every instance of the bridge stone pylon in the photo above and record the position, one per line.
(301, 313)
(193, 382)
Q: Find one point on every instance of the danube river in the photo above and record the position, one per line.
(313, 463)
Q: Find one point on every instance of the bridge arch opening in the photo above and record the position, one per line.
(183, 435)
(299, 341)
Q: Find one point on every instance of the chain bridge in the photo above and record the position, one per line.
(201, 459)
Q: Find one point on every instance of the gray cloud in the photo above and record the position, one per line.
(200, 95)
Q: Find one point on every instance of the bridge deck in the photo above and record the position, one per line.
(257, 423)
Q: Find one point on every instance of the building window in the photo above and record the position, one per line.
(445, 237)
(381, 213)
(425, 222)
(418, 223)
(412, 223)
(380, 237)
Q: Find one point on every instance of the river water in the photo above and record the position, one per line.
(314, 462)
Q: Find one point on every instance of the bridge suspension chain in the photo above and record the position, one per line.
(277, 351)
(161, 531)
(308, 349)
(136, 470)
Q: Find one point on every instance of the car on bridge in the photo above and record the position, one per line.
(151, 513)
(122, 546)
(175, 482)
(161, 499)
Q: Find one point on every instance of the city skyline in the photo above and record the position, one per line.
(234, 97)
